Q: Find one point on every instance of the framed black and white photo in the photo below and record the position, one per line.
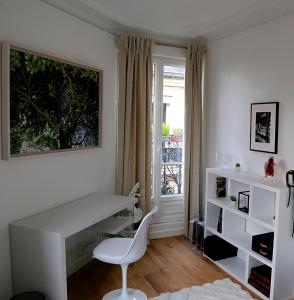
(264, 127)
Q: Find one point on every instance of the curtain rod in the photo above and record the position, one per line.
(171, 44)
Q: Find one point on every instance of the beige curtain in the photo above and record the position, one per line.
(134, 117)
(193, 131)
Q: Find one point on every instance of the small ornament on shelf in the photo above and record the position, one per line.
(274, 172)
(269, 167)
(233, 200)
(237, 167)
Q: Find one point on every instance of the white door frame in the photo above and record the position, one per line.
(171, 207)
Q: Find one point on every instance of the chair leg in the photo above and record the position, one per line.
(124, 291)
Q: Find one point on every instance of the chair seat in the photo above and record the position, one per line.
(113, 250)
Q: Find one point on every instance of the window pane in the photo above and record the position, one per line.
(172, 130)
(172, 153)
(171, 179)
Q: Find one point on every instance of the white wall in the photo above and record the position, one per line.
(33, 184)
(253, 66)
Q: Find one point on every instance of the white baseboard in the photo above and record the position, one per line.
(161, 230)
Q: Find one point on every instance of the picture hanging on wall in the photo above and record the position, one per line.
(48, 104)
(264, 127)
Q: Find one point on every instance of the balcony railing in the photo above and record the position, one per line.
(171, 165)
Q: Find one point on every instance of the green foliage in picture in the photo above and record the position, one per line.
(53, 105)
(178, 131)
(165, 129)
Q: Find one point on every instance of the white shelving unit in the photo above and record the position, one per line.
(268, 212)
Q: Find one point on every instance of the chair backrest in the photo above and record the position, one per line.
(139, 244)
(134, 190)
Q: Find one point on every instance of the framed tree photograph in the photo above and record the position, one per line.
(49, 104)
(264, 127)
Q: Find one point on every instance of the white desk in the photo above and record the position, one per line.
(38, 242)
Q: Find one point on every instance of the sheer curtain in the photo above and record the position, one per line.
(134, 117)
(194, 79)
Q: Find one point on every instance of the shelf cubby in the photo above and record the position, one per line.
(233, 223)
(239, 231)
(212, 178)
(236, 186)
(236, 266)
(252, 263)
(213, 212)
(263, 205)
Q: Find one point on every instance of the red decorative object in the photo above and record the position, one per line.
(269, 167)
(176, 138)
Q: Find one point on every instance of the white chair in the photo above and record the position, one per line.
(124, 251)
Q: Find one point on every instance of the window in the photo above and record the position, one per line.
(168, 105)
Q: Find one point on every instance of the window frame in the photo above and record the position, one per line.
(159, 62)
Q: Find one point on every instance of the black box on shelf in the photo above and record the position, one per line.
(263, 244)
(217, 248)
(260, 278)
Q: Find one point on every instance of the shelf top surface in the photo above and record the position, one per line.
(74, 216)
(248, 178)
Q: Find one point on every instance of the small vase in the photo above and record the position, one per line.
(233, 203)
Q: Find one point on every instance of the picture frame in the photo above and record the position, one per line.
(58, 110)
(243, 201)
(264, 121)
(221, 187)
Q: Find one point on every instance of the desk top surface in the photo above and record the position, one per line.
(74, 216)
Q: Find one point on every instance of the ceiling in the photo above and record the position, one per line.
(175, 20)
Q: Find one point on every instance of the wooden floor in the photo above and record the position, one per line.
(169, 265)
